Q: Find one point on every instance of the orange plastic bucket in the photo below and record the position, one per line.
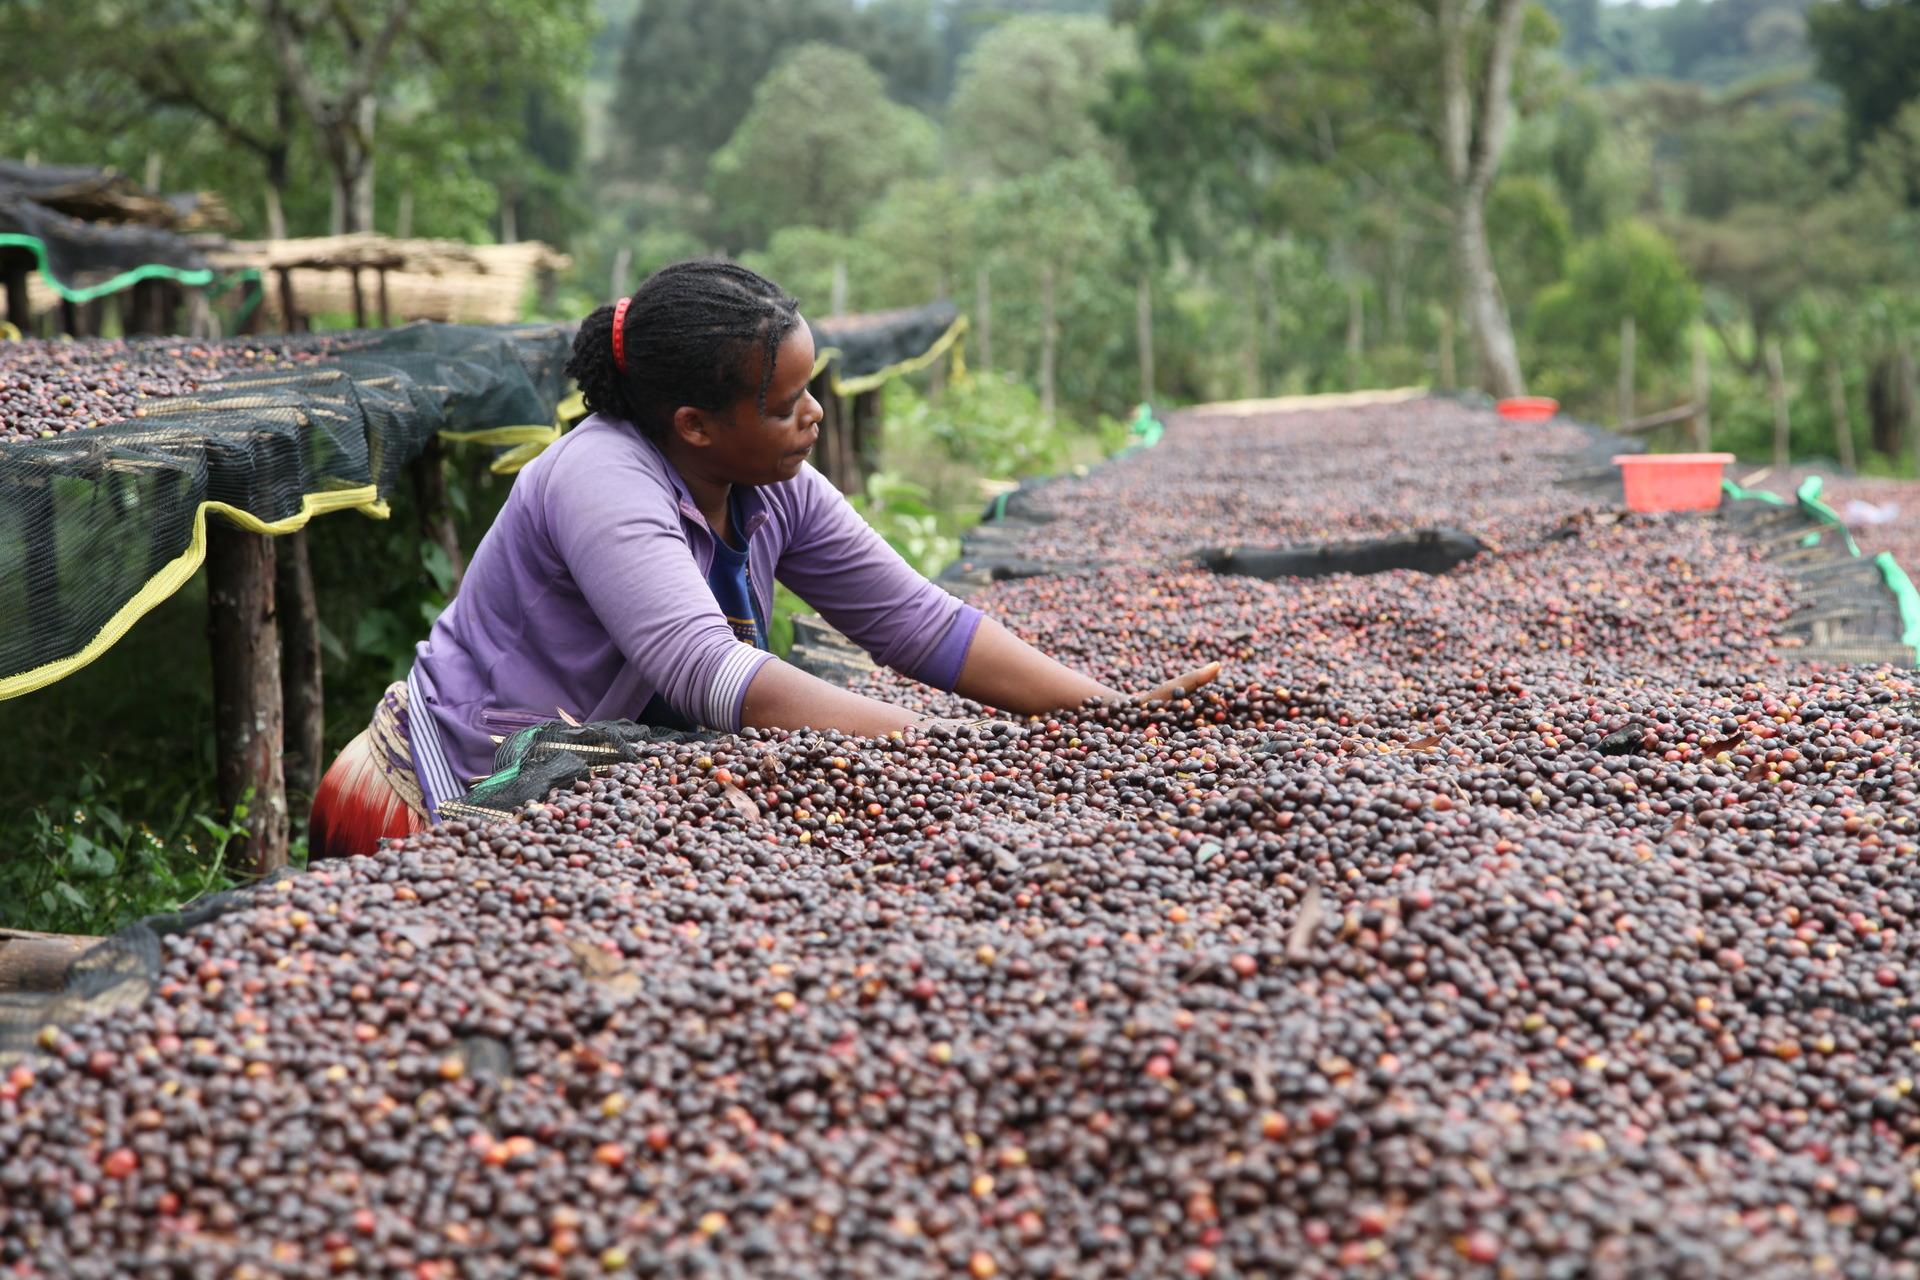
(1672, 481)
(1527, 408)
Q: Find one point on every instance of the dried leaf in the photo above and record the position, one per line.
(1431, 743)
(1680, 824)
(569, 719)
(741, 801)
(1759, 770)
(1711, 747)
(598, 965)
(1300, 937)
(1593, 675)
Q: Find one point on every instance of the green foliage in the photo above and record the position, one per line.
(1026, 93)
(901, 512)
(803, 259)
(1870, 52)
(989, 423)
(688, 70)
(74, 865)
(820, 144)
(1631, 271)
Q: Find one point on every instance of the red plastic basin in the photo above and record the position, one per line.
(1672, 481)
(1527, 408)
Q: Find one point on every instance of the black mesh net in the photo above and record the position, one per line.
(98, 525)
(116, 973)
(860, 346)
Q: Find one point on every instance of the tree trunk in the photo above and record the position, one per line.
(1842, 423)
(276, 216)
(1449, 377)
(1049, 343)
(436, 511)
(303, 687)
(1626, 370)
(983, 316)
(1356, 331)
(838, 299)
(247, 709)
(1777, 383)
(1143, 333)
(1702, 395)
(15, 266)
(1472, 159)
(1498, 358)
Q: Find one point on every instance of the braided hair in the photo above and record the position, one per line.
(691, 330)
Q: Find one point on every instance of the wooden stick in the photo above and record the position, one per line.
(1777, 382)
(1842, 425)
(1665, 417)
(1702, 394)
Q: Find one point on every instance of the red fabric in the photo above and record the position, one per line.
(355, 807)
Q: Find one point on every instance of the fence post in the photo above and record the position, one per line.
(1702, 394)
(1143, 320)
(248, 712)
(1842, 425)
(1626, 369)
(1777, 380)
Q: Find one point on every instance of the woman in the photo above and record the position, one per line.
(630, 574)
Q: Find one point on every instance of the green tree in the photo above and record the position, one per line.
(1633, 270)
(819, 145)
(688, 71)
(1027, 92)
(1870, 53)
(1072, 234)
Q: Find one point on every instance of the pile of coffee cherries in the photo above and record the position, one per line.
(1542, 919)
(51, 387)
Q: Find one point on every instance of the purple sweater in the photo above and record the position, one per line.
(589, 593)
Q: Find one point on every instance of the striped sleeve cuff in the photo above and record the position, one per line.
(430, 766)
(728, 691)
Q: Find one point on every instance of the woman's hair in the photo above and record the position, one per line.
(698, 333)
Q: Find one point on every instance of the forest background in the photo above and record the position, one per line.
(1171, 200)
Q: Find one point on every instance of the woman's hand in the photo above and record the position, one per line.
(1182, 686)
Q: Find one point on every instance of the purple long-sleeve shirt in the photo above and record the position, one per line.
(589, 594)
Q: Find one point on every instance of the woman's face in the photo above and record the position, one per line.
(754, 448)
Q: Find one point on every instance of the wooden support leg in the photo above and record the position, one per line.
(359, 300)
(436, 513)
(289, 314)
(386, 313)
(304, 689)
(866, 438)
(248, 724)
(15, 265)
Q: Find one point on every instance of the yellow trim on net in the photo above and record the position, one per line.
(177, 571)
(502, 436)
(7, 332)
(913, 364)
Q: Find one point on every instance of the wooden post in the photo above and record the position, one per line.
(983, 316)
(1626, 369)
(248, 711)
(1143, 330)
(359, 299)
(1049, 344)
(1908, 381)
(289, 311)
(1842, 424)
(1449, 376)
(386, 312)
(303, 687)
(15, 266)
(436, 512)
(1777, 383)
(865, 454)
(1702, 394)
(832, 455)
(838, 301)
(199, 315)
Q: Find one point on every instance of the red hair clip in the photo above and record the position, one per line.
(620, 334)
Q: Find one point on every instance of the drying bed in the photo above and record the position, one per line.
(1541, 918)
